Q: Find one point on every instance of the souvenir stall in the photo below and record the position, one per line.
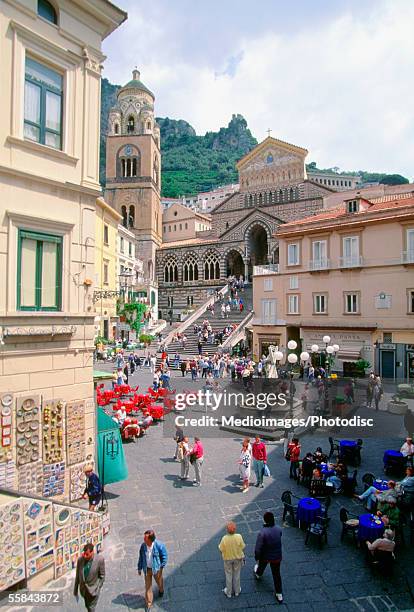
(12, 559)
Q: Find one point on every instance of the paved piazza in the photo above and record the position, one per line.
(190, 521)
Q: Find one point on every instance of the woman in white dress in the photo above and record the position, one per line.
(245, 462)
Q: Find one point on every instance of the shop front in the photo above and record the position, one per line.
(353, 346)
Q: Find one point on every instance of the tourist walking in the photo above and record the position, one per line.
(259, 459)
(231, 547)
(377, 394)
(184, 458)
(245, 464)
(153, 363)
(269, 550)
(179, 437)
(197, 460)
(152, 559)
(292, 455)
(93, 488)
(90, 576)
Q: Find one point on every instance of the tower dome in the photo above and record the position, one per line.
(135, 84)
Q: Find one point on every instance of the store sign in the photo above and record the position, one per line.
(388, 347)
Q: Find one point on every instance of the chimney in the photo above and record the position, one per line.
(136, 74)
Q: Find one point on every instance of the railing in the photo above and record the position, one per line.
(319, 264)
(408, 256)
(238, 333)
(352, 261)
(269, 269)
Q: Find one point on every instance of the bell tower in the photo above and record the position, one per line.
(133, 168)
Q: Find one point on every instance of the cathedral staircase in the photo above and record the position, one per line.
(217, 323)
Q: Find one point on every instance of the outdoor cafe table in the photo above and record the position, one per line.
(369, 527)
(347, 446)
(327, 471)
(392, 455)
(308, 509)
(381, 485)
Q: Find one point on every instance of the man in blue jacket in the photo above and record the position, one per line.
(269, 550)
(152, 560)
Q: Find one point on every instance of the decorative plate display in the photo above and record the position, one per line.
(38, 519)
(27, 423)
(12, 568)
(77, 482)
(52, 432)
(75, 432)
(6, 401)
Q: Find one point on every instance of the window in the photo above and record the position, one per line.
(186, 226)
(211, 267)
(352, 206)
(190, 300)
(130, 124)
(350, 249)
(171, 271)
(320, 303)
(293, 304)
(43, 104)
(39, 271)
(351, 303)
(181, 226)
(106, 272)
(387, 337)
(268, 312)
(116, 128)
(130, 249)
(411, 301)
(190, 269)
(47, 11)
(410, 246)
(121, 247)
(106, 235)
(293, 282)
(319, 250)
(170, 301)
(293, 254)
(268, 284)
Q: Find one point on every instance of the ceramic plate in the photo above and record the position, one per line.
(28, 404)
(21, 427)
(21, 442)
(6, 410)
(7, 399)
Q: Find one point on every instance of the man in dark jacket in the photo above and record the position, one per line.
(93, 489)
(269, 550)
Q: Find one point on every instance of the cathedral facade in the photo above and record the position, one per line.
(274, 189)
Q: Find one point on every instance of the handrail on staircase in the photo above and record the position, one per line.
(228, 342)
(193, 317)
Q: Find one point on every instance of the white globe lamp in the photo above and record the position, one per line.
(330, 350)
(292, 345)
(278, 355)
(326, 339)
(314, 348)
(335, 347)
(292, 358)
(304, 356)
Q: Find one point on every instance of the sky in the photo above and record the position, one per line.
(333, 76)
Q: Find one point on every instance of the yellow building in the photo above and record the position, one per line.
(49, 161)
(106, 269)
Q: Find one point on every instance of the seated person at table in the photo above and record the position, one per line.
(317, 474)
(407, 449)
(319, 457)
(385, 543)
(307, 467)
(121, 415)
(146, 421)
(407, 487)
(390, 514)
(373, 496)
(340, 477)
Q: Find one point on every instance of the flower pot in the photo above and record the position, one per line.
(397, 407)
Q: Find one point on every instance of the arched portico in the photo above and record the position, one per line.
(234, 264)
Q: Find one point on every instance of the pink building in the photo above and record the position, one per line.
(348, 273)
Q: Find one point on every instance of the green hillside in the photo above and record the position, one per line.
(192, 163)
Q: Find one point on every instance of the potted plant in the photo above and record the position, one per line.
(360, 366)
(397, 406)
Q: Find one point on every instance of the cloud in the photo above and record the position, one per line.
(341, 87)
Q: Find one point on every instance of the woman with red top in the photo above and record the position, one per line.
(294, 454)
(259, 460)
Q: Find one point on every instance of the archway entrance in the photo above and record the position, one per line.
(234, 264)
(257, 247)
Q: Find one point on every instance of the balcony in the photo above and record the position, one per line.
(269, 269)
(319, 264)
(408, 257)
(351, 261)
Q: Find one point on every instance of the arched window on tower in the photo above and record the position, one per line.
(149, 125)
(116, 128)
(124, 216)
(156, 175)
(260, 199)
(131, 217)
(269, 197)
(190, 269)
(131, 124)
(292, 194)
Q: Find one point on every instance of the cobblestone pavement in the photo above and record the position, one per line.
(190, 521)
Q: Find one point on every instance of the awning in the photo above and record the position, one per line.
(112, 465)
(98, 375)
(349, 354)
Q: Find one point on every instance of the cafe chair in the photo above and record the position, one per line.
(358, 451)
(325, 503)
(383, 561)
(334, 450)
(319, 530)
(368, 480)
(319, 488)
(350, 524)
(350, 484)
(289, 510)
(395, 465)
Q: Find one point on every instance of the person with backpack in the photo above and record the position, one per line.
(268, 550)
